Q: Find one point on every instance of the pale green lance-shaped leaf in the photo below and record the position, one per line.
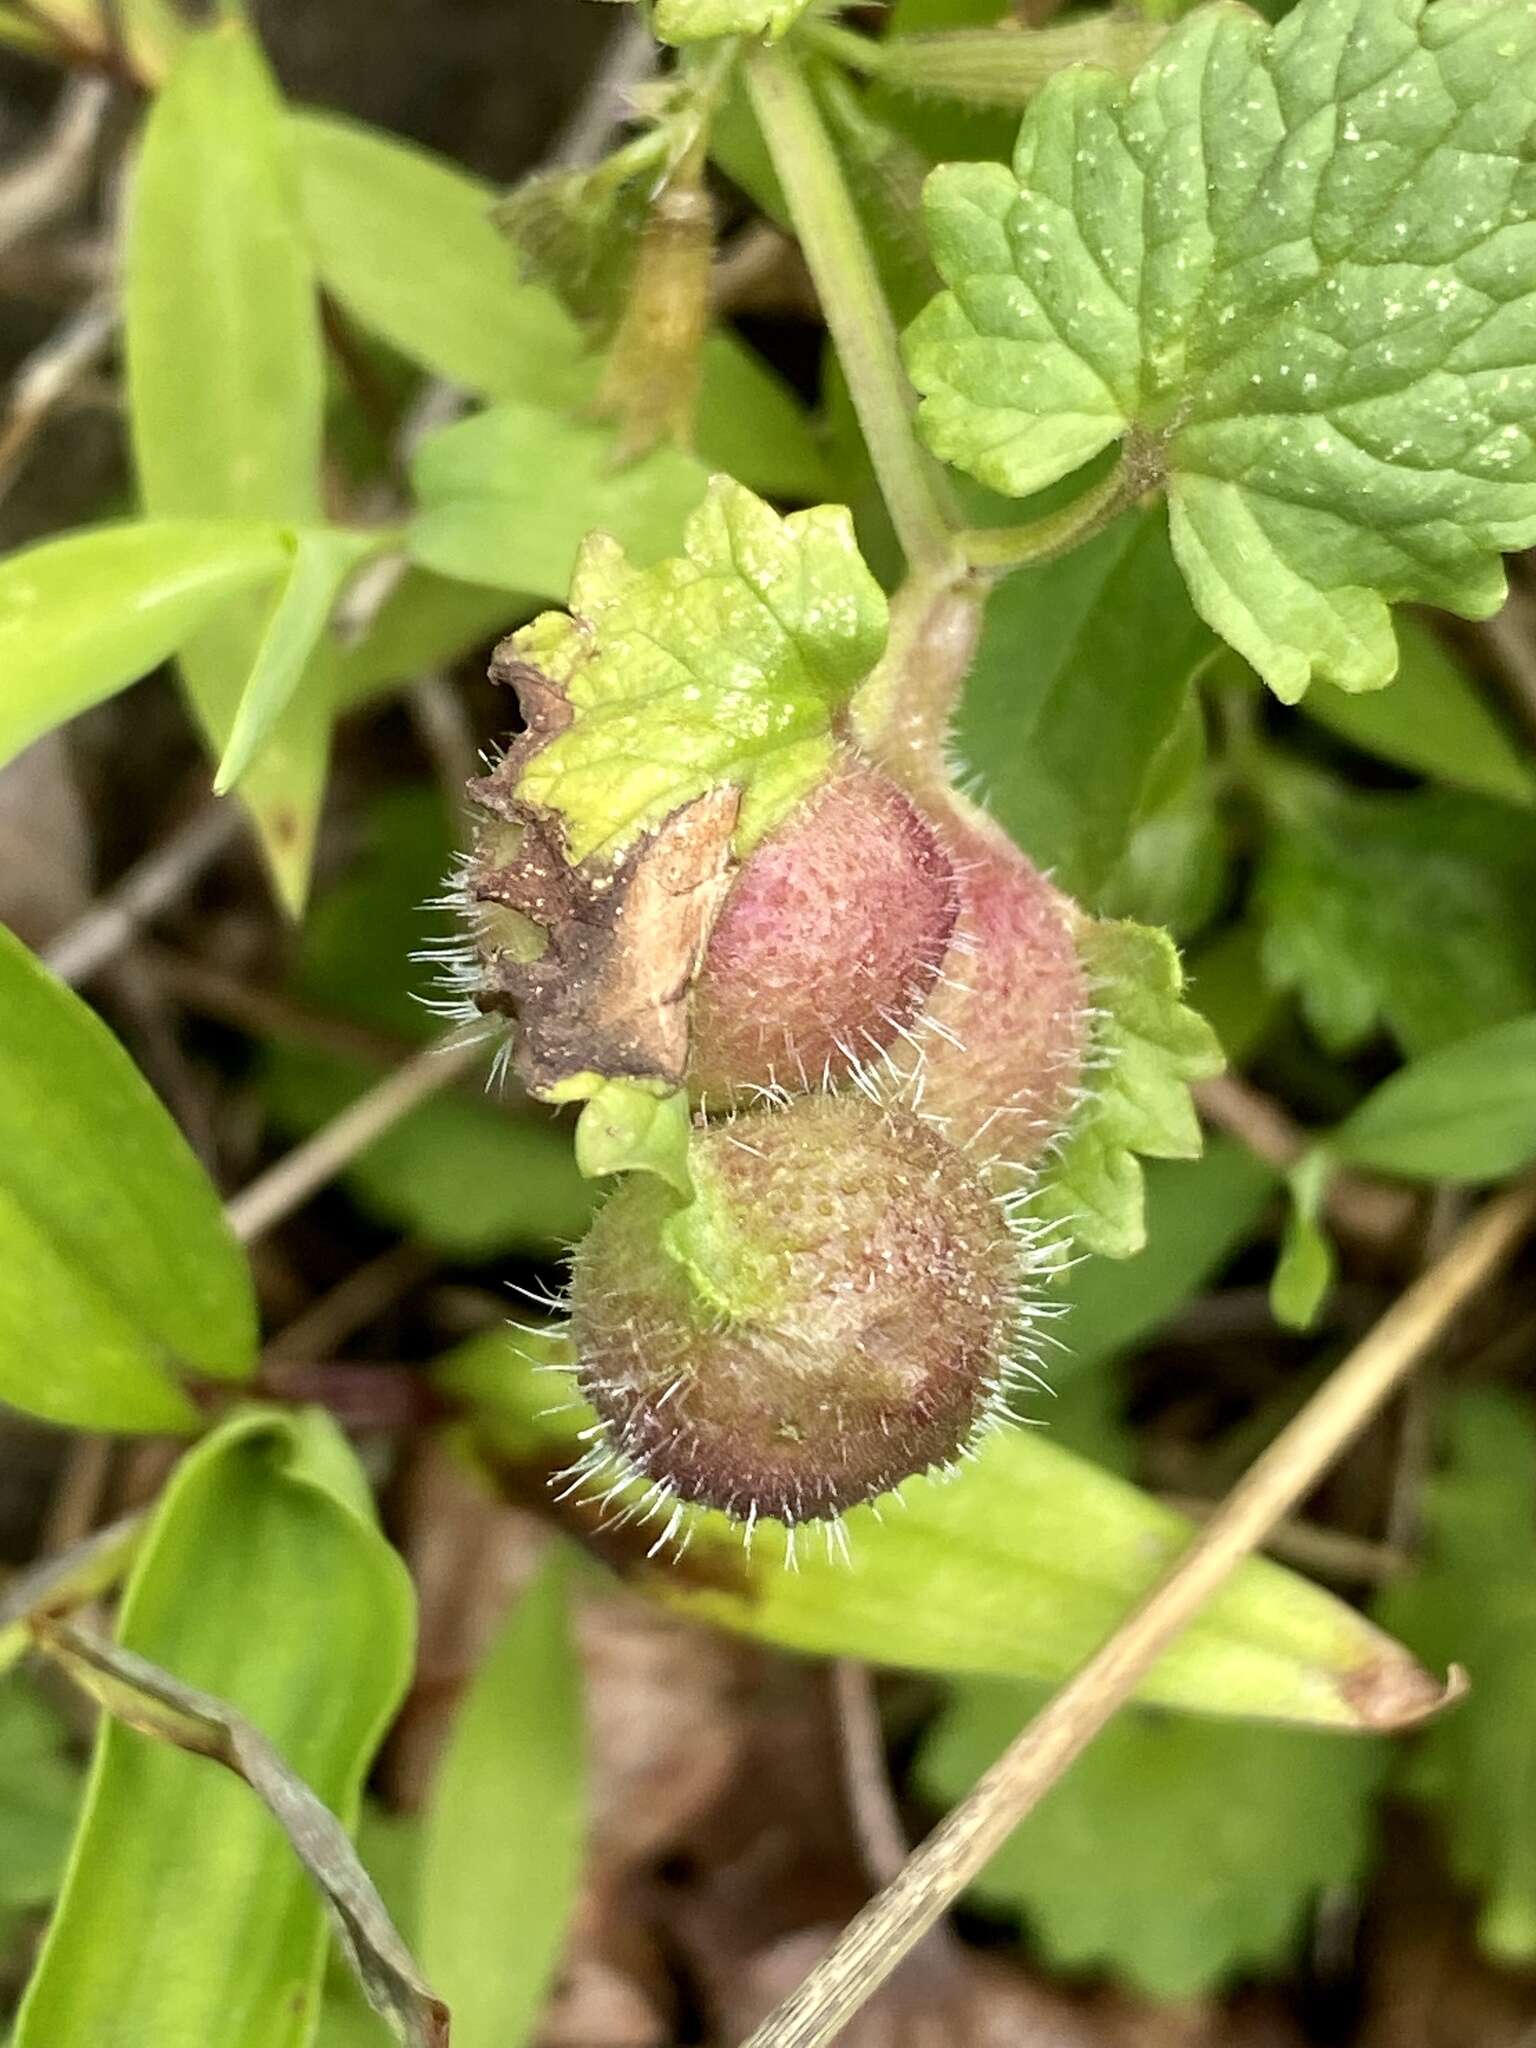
(1017, 1567)
(1020, 1567)
(508, 496)
(697, 21)
(116, 1266)
(217, 275)
(323, 558)
(1199, 1212)
(499, 1382)
(503, 1844)
(627, 1127)
(1176, 1853)
(750, 424)
(426, 622)
(726, 664)
(1148, 1047)
(142, 1696)
(1304, 1272)
(1410, 910)
(84, 615)
(1434, 721)
(408, 244)
(1475, 1598)
(1466, 1112)
(1082, 668)
(1293, 269)
(39, 1794)
(187, 1919)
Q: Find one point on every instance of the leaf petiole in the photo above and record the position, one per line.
(1000, 548)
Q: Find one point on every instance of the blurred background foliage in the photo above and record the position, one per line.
(598, 1820)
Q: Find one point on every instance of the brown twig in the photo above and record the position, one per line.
(148, 887)
(882, 1838)
(49, 181)
(1367, 1211)
(875, 1941)
(268, 1013)
(1508, 642)
(48, 376)
(365, 1292)
(306, 1169)
(1331, 1553)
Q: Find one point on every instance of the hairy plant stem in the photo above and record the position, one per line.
(854, 304)
(1003, 67)
(872, 1945)
(901, 715)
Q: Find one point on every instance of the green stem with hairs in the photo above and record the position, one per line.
(990, 67)
(857, 315)
(999, 548)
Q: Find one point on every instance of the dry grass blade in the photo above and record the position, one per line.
(306, 1169)
(67, 1580)
(874, 1942)
(143, 1696)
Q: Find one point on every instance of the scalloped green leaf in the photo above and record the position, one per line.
(1474, 1599)
(1148, 1047)
(1224, 1836)
(725, 664)
(1294, 270)
(700, 21)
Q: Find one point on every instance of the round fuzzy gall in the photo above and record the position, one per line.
(1005, 1031)
(839, 1322)
(827, 945)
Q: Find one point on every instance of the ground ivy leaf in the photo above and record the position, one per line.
(697, 21)
(1294, 269)
(1474, 1598)
(1223, 1837)
(1411, 910)
(725, 664)
(1148, 1047)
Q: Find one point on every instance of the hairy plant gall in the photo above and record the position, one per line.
(832, 1315)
